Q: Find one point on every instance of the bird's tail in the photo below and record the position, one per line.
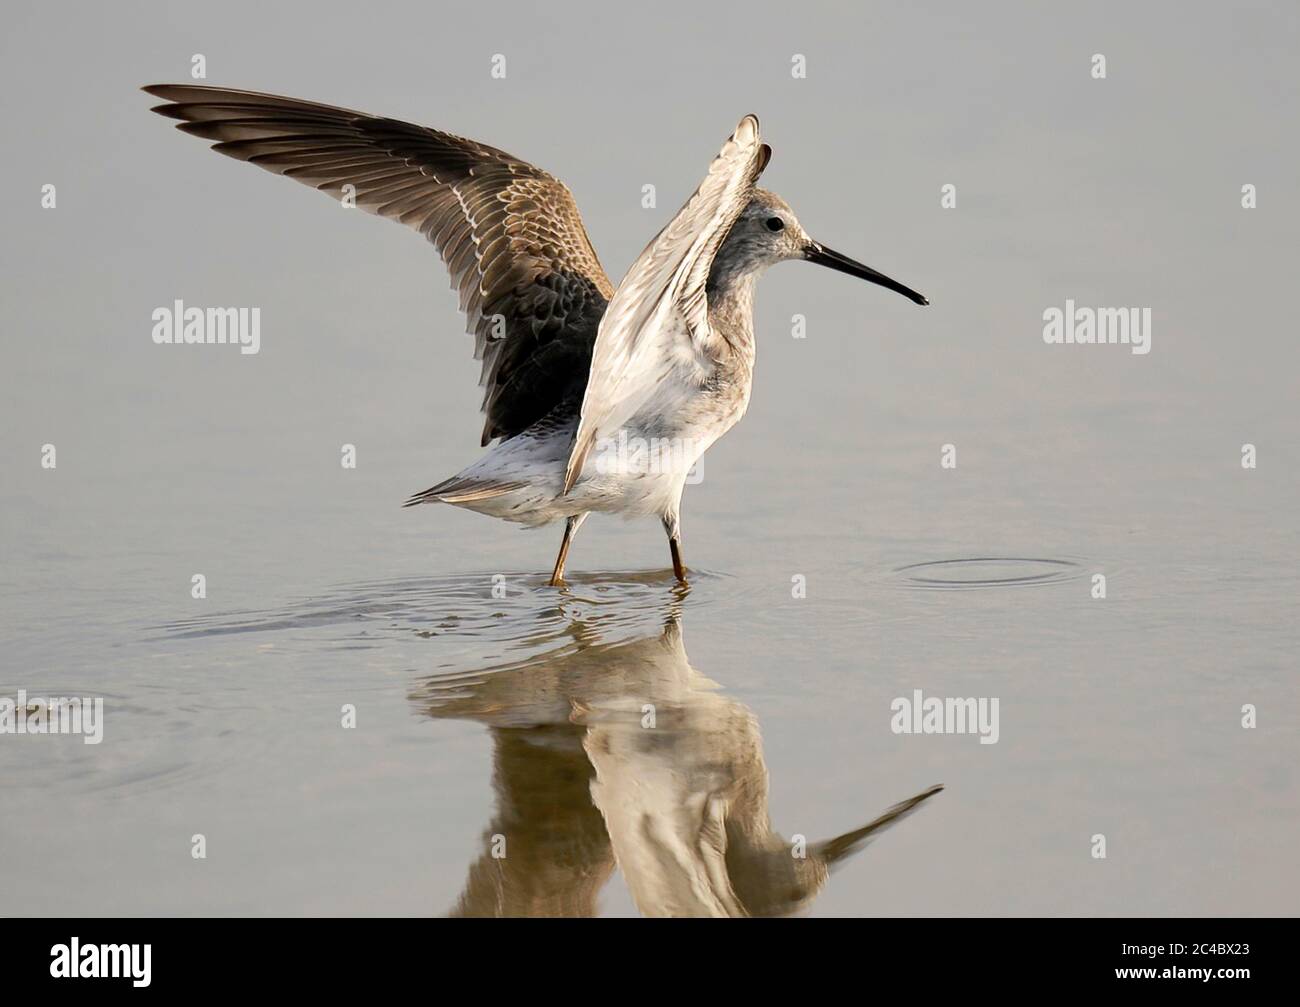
(462, 490)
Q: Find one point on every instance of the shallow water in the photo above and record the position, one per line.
(837, 567)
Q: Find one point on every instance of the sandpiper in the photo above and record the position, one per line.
(574, 369)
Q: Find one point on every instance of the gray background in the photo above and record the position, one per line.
(1118, 716)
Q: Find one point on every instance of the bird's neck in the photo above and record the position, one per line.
(730, 293)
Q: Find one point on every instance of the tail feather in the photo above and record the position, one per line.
(458, 490)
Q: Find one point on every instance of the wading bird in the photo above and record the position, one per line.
(574, 370)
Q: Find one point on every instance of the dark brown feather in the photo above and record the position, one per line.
(509, 232)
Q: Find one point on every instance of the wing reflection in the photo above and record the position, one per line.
(622, 753)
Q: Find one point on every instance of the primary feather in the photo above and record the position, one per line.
(530, 284)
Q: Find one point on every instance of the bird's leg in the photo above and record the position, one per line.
(571, 527)
(672, 525)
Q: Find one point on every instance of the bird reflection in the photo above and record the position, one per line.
(623, 754)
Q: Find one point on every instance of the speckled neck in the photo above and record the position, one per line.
(730, 291)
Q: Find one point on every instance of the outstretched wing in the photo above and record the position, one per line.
(530, 284)
(660, 307)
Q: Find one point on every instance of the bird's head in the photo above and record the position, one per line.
(767, 232)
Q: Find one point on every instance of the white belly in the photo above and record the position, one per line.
(638, 471)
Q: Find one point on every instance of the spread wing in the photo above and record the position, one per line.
(660, 308)
(530, 284)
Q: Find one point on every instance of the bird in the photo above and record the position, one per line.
(597, 398)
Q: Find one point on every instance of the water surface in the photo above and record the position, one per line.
(837, 566)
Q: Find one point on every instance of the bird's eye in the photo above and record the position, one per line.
(775, 223)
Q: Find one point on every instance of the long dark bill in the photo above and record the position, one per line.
(824, 256)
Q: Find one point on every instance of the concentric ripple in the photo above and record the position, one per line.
(989, 572)
(500, 609)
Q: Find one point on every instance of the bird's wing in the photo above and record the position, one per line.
(530, 284)
(668, 832)
(660, 307)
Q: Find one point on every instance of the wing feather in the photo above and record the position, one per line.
(661, 303)
(529, 281)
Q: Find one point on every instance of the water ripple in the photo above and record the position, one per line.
(989, 572)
